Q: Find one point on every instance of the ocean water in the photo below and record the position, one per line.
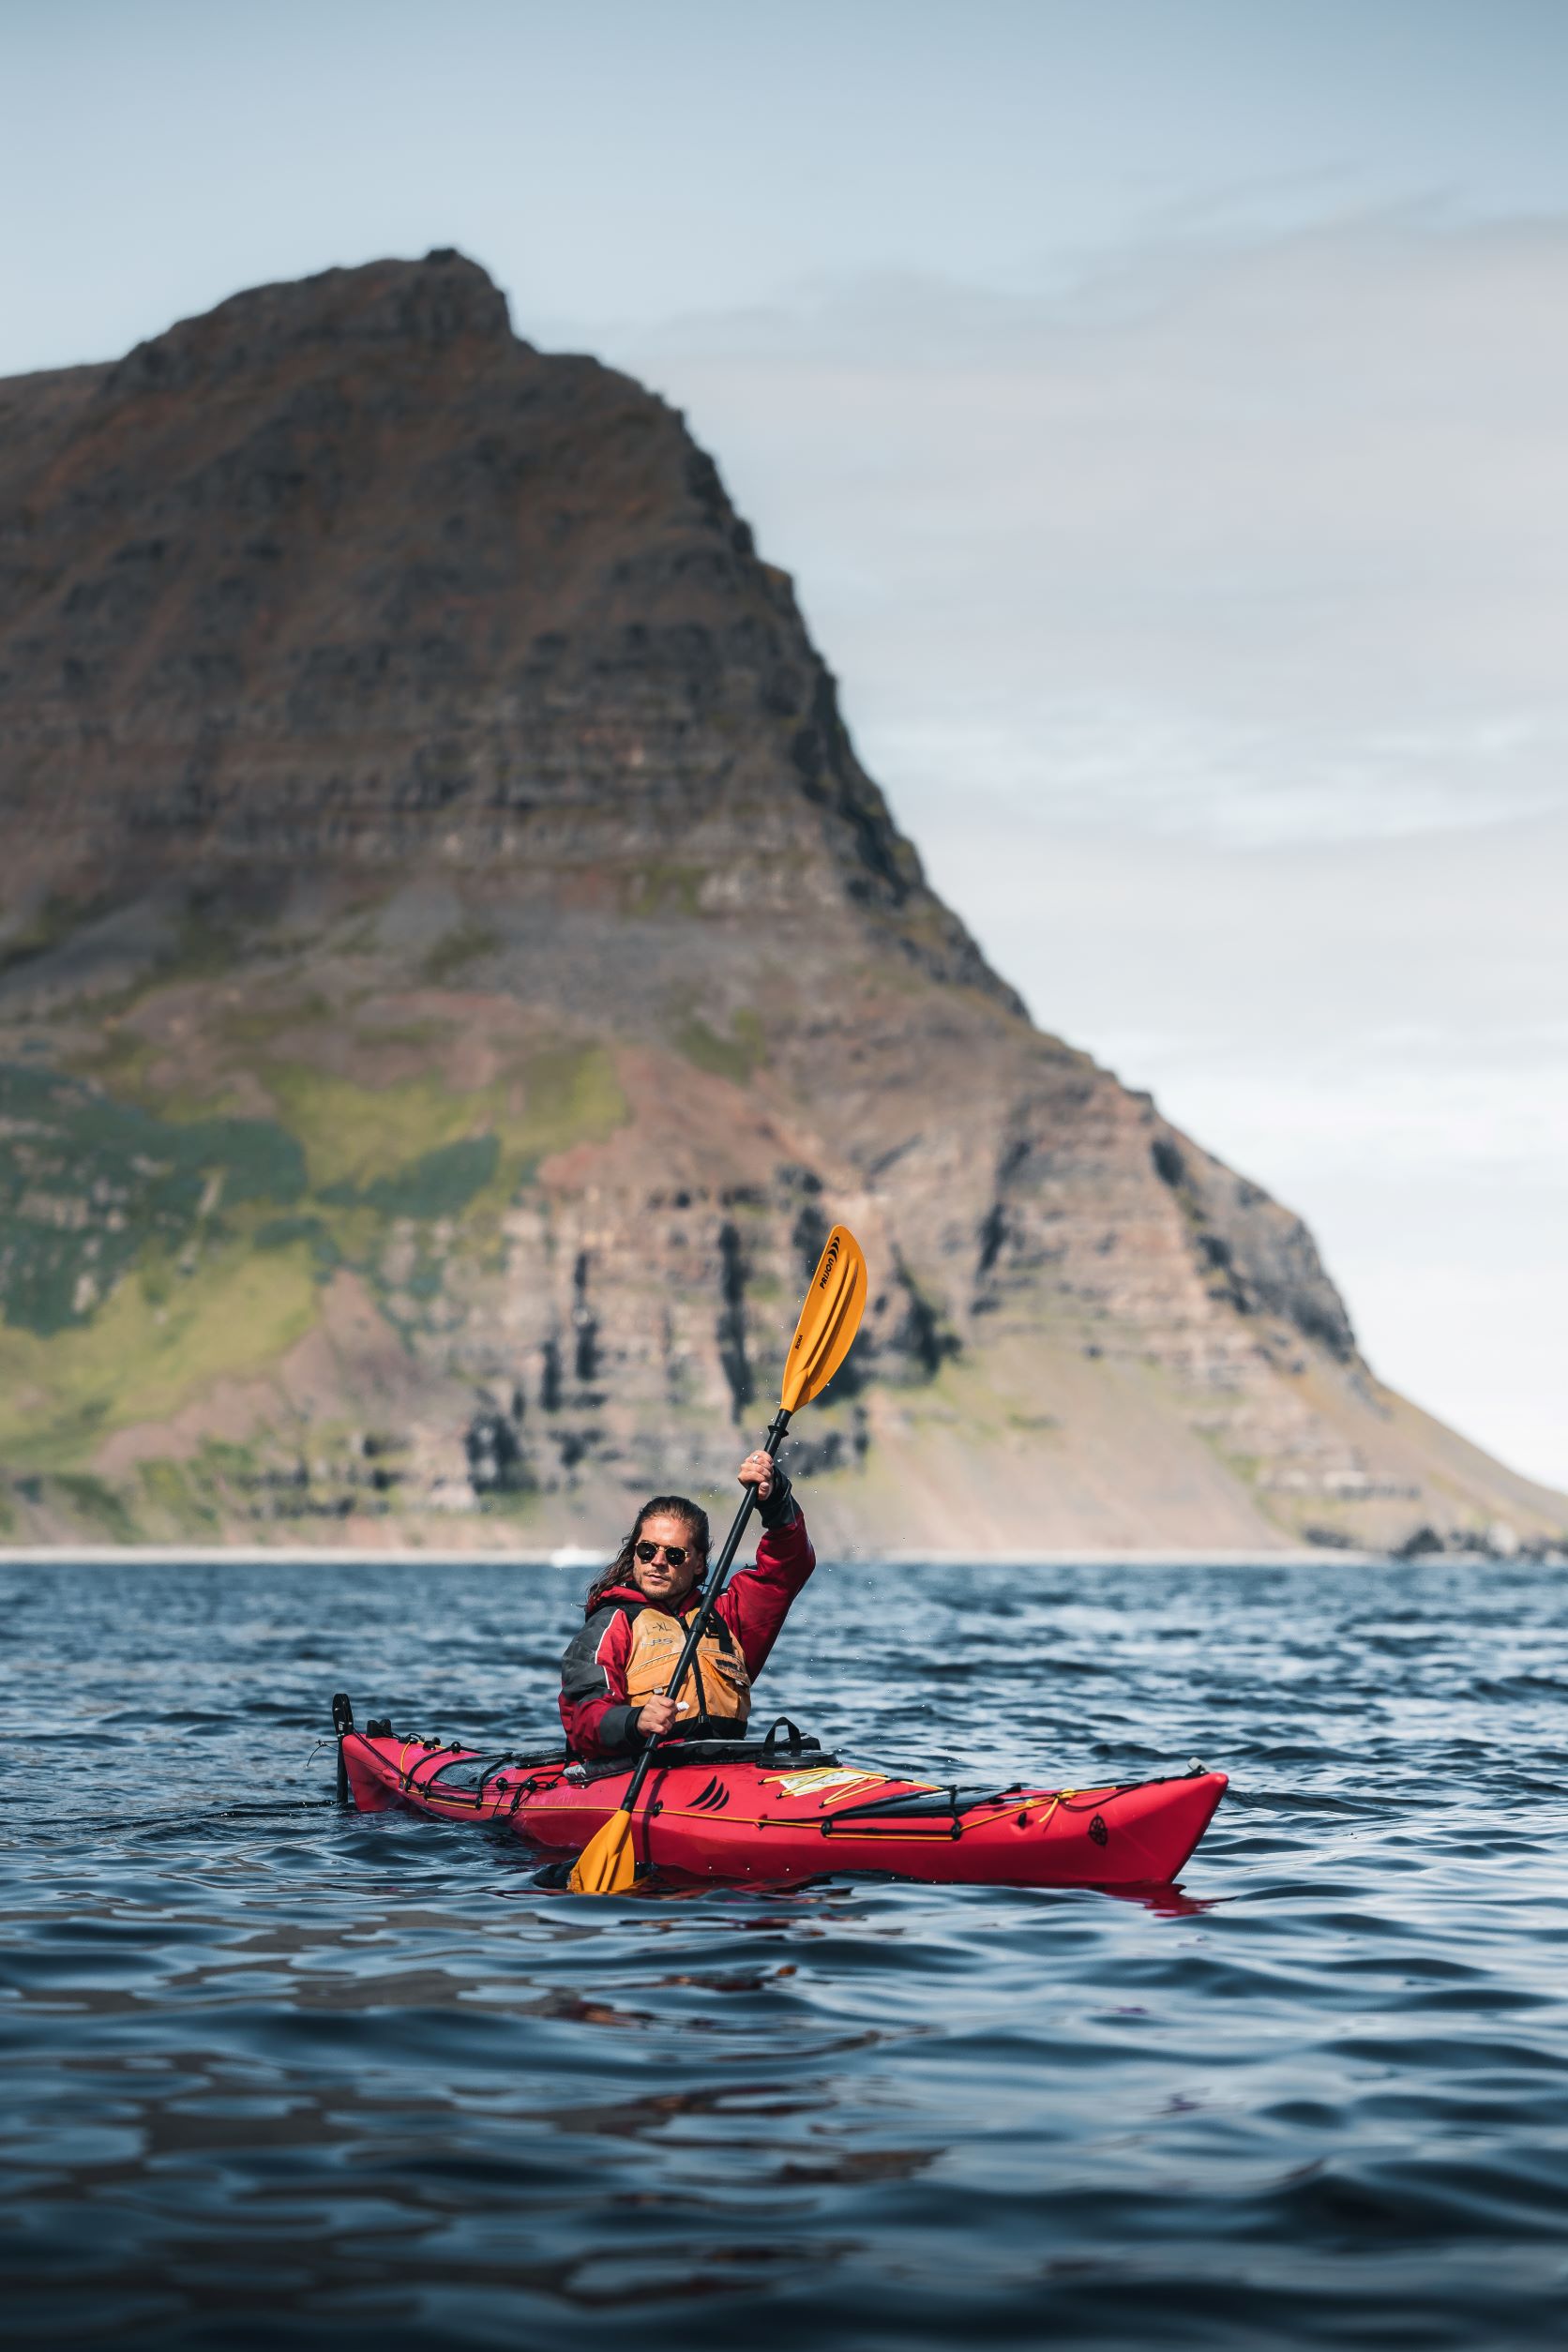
(279, 2074)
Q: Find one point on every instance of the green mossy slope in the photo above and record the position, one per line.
(150, 1250)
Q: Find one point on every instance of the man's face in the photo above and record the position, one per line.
(657, 1578)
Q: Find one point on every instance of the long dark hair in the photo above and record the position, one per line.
(656, 1507)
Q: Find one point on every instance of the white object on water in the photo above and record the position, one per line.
(573, 1556)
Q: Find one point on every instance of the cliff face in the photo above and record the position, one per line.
(456, 966)
(345, 573)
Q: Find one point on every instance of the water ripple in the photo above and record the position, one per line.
(279, 2074)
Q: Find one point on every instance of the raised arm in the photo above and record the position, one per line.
(756, 1600)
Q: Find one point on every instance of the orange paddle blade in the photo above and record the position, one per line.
(828, 1320)
(607, 1864)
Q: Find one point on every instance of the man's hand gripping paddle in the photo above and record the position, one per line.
(828, 1324)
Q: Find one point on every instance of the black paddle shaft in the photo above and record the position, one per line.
(771, 1444)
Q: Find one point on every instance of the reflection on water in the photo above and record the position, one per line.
(277, 2074)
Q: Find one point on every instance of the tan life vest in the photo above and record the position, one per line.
(717, 1683)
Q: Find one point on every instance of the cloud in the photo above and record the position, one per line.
(1204, 623)
(1279, 529)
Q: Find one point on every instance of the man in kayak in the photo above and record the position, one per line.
(617, 1669)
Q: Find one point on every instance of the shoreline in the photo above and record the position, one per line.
(572, 1558)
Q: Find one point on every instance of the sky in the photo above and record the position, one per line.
(1163, 410)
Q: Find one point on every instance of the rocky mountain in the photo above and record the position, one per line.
(455, 967)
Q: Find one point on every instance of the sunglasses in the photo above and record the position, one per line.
(676, 1553)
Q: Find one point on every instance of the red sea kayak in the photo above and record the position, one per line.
(777, 1812)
